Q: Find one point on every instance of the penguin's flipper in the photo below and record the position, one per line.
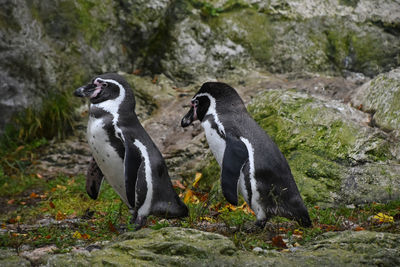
(132, 162)
(235, 156)
(94, 178)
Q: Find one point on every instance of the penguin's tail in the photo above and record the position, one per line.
(173, 208)
(304, 220)
(298, 211)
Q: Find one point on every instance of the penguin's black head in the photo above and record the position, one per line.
(212, 97)
(104, 87)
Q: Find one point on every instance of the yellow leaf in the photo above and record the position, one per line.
(61, 187)
(206, 218)
(188, 196)
(77, 235)
(383, 218)
(197, 178)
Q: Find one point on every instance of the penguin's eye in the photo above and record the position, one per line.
(104, 85)
(195, 102)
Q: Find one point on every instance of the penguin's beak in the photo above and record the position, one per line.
(79, 92)
(89, 90)
(188, 118)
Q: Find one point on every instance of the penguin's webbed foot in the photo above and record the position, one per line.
(138, 222)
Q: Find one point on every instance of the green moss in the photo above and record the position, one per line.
(296, 124)
(319, 143)
(315, 176)
(252, 30)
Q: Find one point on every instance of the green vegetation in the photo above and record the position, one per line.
(81, 220)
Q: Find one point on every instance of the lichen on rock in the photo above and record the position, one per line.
(323, 141)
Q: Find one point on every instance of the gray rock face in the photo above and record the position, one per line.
(54, 46)
(381, 98)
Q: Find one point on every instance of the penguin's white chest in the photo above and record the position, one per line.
(215, 142)
(107, 158)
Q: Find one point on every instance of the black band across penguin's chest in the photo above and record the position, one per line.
(214, 126)
(108, 126)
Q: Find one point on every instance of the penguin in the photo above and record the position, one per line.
(124, 154)
(251, 163)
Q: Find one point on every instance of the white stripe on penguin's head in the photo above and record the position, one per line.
(212, 110)
(112, 105)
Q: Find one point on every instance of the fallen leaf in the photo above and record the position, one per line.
(3, 226)
(53, 189)
(47, 236)
(178, 184)
(382, 218)
(22, 203)
(111, 227)
(19, 148)
(359, 228)
(207, 218)
(51, 204)
(38, 175)
(154, 81)
(33, 195)
(297, 232)
(197, 178)
(277, 241)
(85, 236)
(70, 182)
(60, 216)
(137, 71)
(77, 235)
(11, 201)
(188, 196)
(316, 207)
(62, 187)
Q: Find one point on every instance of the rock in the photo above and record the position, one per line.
(52, 48)
(188, 247)
(39, 255)
(381, 98)
(350, 248)
(9, 258)
(334, 155)
(167, 246)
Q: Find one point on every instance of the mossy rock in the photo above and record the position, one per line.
(188, 247)
(323, 142)
(10, 258)
(381, 97)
